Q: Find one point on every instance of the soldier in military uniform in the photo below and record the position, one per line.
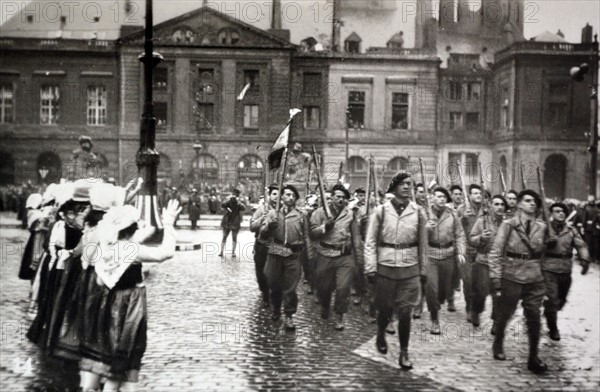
(557, 265)
(481, 238)
(511, 204)
(447, 244)
(456, 193)
(516, 274)
(85, 163)
(337, 248)
(396, 261)
(358, 282)
(260, 245)
(468, 217)
(286, 232)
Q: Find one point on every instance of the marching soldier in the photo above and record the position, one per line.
(260, 245)
(232, 220)
(516, 274)
(311, 203)
(287, 234)
(468, 217)
(336, 252)
(481, 238)
(446, 245)
(511, 204)
(395, 260)
(456, 193)
(359, 283)
(557, 265)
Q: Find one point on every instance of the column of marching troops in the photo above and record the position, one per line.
(85, 252)
(411, 246)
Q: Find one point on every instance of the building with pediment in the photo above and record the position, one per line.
(223, 92)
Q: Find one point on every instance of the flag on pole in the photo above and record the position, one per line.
(244, 91)
(281, 143)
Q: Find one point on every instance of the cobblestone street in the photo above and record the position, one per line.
(208, 331)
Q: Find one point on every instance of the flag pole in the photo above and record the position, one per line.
(293, 112)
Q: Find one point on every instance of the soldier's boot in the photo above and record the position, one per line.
(535, 364)
(233, 252)
(289, 323)
(339, 322)
(222, 249)
(451, 306)
(404, 361)
(475, 319)
(498, 345)
(468, 310)
(435, 324)
(404, 337)
(552, 326)
(380, 343)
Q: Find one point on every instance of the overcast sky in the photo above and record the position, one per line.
(540, 15)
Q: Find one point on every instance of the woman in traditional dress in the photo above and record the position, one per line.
(119, 319)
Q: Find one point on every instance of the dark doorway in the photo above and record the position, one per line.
(49, 168)
(7, 169)
(555, 176)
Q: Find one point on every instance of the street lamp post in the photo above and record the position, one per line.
(347, 168)
(147, 157)
(578, 73)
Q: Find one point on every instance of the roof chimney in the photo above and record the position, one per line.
(337, 26)
(586, 34)
(276, 17)
(560, 34)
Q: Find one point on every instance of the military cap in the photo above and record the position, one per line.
(341, 188)
(293, 189)
(444, 191)
(397, 180)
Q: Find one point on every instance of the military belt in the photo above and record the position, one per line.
(441, 246)
(398, 246)
(559, 256)
(524, 256)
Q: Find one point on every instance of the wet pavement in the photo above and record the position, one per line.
(208, 331)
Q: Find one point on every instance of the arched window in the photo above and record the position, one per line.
(49, 167)
(555, 176)
(352, 43)
(250, 167)
(397, 164)
(206, 165)
(357, 165)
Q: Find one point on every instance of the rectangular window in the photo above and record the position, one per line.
(455, 91)
(252, 76)
(456, 120)
(399, 111)
(6, 103)
(49, 104)
(473, 92)
(311, 85)
(504, 114)
(472, 120)
(312, 117)
(352, 46)
(471, 169)
(558, 104)
(251, 116)
(161, 78)
(161, 114)
(207, 85)
(96, 105)
(205, 115)
(356, 109)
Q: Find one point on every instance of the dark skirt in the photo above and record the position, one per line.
(25, 270)
(69, 334)
(65, 301)
(115, 328)
(49, 283)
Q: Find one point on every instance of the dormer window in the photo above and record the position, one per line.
(352, 43)
(397, 41)
(228, 36)
(29, 18)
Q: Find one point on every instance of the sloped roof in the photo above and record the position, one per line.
(547, 36)
(202, 15)
(42, 19)
(354, 37)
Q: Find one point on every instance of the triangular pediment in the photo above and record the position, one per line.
(206, 27)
